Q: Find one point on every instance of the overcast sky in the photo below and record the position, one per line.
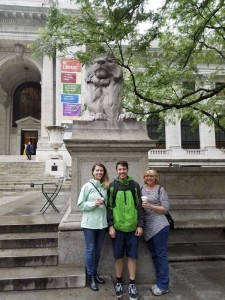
(154, 4)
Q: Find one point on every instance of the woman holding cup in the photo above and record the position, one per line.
(156, 231)
(93, 201)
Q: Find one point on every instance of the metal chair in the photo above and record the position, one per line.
(50, 191)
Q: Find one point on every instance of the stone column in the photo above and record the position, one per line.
(173, 135)
(47, 100)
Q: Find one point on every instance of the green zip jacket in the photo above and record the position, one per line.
(123, 214)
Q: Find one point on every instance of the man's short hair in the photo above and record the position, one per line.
(122, 163)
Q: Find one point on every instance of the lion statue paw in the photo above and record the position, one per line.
(127, 116)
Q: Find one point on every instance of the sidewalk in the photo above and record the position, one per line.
(189, 281)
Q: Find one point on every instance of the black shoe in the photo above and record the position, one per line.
(92, 283)
(99, 279)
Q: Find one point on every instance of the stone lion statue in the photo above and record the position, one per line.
(104, 90)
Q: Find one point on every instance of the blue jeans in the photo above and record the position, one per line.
(94, 240)
(158, 247)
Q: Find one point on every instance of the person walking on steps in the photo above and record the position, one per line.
(93, 201)
(29, 150)
(126, 220)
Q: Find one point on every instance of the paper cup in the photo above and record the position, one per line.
(144, 198)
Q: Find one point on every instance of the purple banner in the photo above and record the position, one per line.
(71, 110)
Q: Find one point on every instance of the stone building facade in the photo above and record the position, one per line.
(23, 77)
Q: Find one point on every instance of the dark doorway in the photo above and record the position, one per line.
(27, 101)
(29, 136)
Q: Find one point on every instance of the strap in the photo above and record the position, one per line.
(117, 186)
(159, 190)
(97, 190)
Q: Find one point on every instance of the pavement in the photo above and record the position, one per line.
(197, 280)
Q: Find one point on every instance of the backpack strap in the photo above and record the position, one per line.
(117, 187)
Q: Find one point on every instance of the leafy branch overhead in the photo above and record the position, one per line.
(170, 67)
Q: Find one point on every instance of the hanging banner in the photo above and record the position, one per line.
(70, 90)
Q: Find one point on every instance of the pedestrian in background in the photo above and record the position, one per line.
(29, 150)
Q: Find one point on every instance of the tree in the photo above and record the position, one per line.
(189, 36)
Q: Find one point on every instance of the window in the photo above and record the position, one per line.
(156, 131)
(189, 136)
(221, 94)
(220, 138)
(27, 101)
(188, 87)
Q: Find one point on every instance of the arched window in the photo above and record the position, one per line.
(156, 131)
(27, 101)
(189, 135)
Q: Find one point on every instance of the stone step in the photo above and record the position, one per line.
(28, 224)
(197, 234)
(28, 257)
(196, 252)
(41, 278)
(28, 240)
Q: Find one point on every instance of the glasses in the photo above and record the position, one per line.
(149, 175)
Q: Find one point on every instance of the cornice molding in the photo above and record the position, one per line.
(9, 14)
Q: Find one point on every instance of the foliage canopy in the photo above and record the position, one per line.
(183, 43)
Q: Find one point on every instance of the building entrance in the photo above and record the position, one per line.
(29, 136)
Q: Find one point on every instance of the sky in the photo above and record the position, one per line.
(154, 4)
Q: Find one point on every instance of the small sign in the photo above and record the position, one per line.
(70, 65)
(68, 77)
(69, 98)
(71, 109)
(54, 168)
(71, 88)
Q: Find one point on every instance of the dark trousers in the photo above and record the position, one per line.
(158, 248)
(93, 241)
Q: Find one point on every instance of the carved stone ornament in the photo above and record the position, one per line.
(19, 51)
(3, 97)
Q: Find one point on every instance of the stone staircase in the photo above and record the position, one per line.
(197, 243)
(28, 255)
(19, 174)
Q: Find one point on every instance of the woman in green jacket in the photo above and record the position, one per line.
(93, 202)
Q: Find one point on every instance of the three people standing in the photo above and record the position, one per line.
(122, 212)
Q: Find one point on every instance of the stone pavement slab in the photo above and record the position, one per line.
(30, 203)
(189, 281)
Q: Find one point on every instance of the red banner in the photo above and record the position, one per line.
(70, 65)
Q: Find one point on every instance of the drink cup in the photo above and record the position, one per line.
(101, 205)
(144, 199)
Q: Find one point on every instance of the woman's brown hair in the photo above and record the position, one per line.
(105, 178)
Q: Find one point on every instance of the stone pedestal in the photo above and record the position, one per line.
(105, 142)
(55, 167)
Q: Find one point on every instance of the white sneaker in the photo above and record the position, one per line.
(153, 287)
(132, 291)
(157, 291)
(119, 290)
